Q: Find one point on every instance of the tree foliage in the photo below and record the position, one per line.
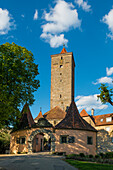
(105, 94)
(18, 81)
(4, 140)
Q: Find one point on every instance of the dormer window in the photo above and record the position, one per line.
(108, 119)
(101, 120)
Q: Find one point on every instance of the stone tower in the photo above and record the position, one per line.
(62, 79)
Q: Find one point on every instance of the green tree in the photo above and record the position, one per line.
(4, 140)
(105, 94)
(18, 81)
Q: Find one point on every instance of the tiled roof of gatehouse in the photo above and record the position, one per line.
(39, 116)
(26, 120)
(55, 113)
(73, 120)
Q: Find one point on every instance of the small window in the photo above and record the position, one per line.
(60, 73)
(54, 122)
(89, 140)
(60, 96)
(17, 140)
(61, 102)
(63, 139)
(22, 140)
(60, 80)
(71, 139)
(36, 141)
(61, 66)
(101, 120)
(108, 119)
(61, 58)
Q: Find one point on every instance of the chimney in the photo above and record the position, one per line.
(92, 112)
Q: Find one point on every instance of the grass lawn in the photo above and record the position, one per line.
(89, 166)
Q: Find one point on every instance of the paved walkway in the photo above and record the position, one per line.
(37, 161)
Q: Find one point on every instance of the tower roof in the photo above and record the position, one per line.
(83, 113)
(26, 120)
(63, 51)
(73, 120)
(55, 113)
(39, 116)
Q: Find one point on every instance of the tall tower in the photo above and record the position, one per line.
(62, 79)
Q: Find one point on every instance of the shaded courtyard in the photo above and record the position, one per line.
(37, 161)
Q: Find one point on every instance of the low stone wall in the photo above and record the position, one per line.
(104, 142)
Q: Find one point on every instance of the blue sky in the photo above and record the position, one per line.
(86, 28)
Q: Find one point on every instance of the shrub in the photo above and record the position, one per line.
(82, 155)
(102, 155)
(97, 156)
(109, 155)
(90, 156)
(72, 156)
(18, 152)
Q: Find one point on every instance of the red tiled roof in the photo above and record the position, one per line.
(55, 113)
(73, 120)
(98, 118)
(63, 51)
(83, 113)
(39, 116)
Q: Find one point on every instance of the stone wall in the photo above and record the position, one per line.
(104, 141)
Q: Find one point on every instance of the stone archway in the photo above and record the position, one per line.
(35, 132)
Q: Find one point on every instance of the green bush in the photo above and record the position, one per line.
(4, 140)
(72, 156)
(109, 155)
(90, 156)
(97, 156)
(102, 155)
(82, 155)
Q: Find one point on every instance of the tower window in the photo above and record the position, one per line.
(54, 122)
(60, 95)
(61, 58)
(61, 66)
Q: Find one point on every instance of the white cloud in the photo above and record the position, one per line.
(6, 22)
(104, 80)
(10, 37)
(35, 15)
(84, 5)
(61, 18)
(109, 71)
(54, 40)
(22, 15)
(89, 102)
(108, 19)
